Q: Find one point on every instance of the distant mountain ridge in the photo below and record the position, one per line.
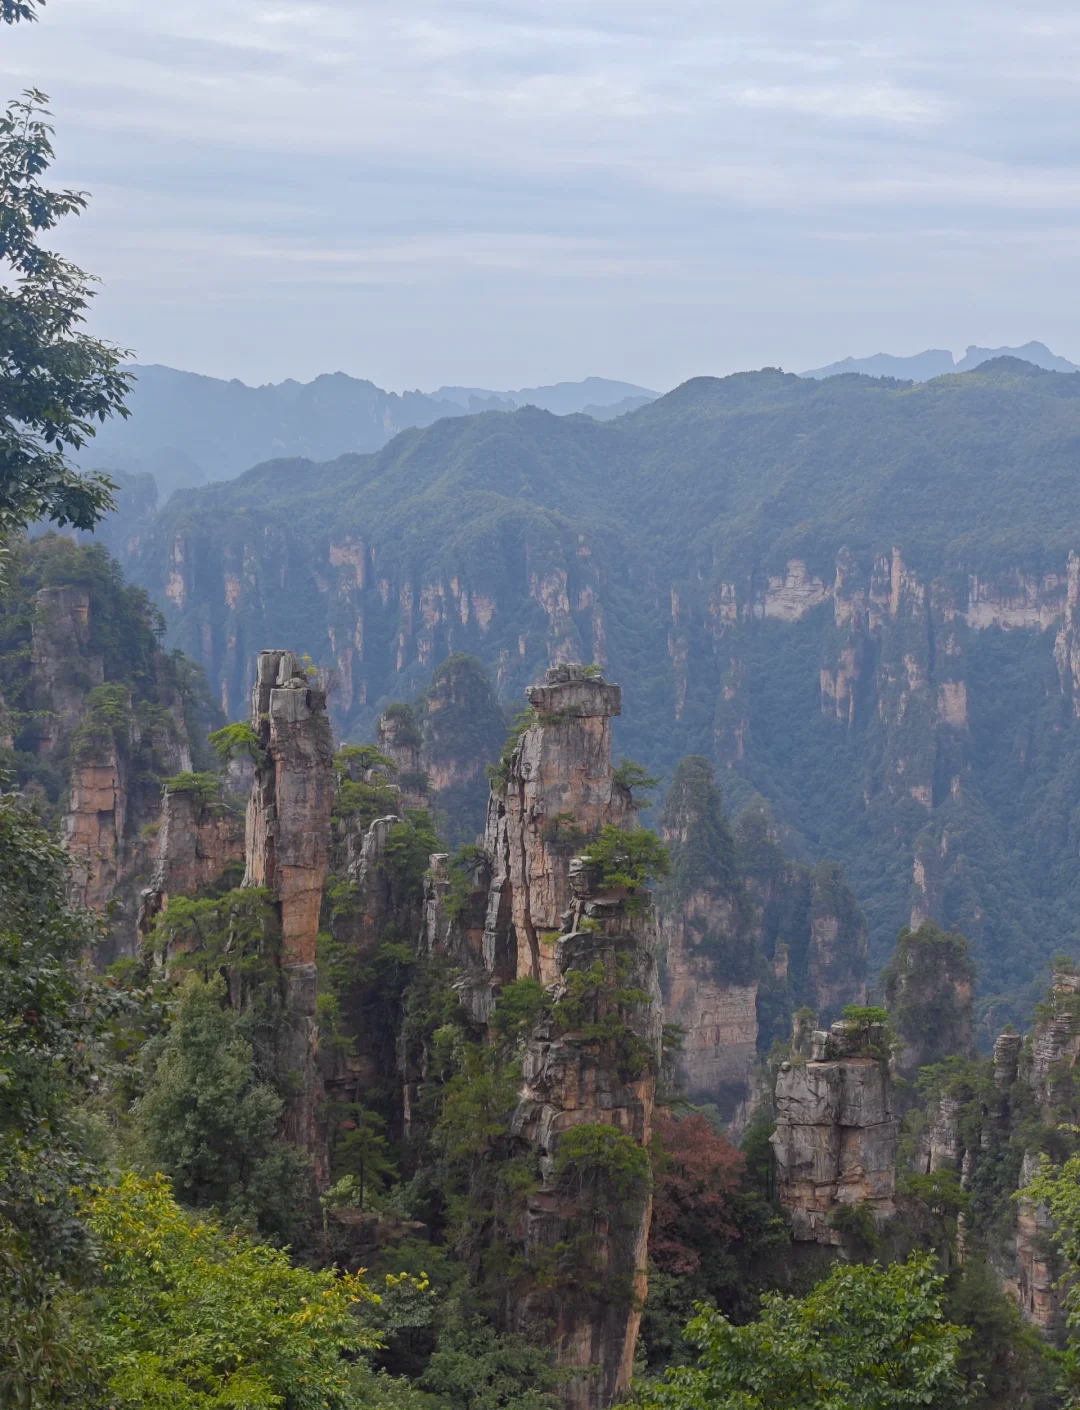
(186, 429)
(938, 362)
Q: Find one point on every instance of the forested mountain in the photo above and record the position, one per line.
(853, 595)
(186, 429)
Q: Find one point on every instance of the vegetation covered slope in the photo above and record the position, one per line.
(692, 548)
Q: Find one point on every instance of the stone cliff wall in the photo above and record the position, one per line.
(287, 846)
(537, 911)
(836, 1136)
(111, 752)
(560, 790)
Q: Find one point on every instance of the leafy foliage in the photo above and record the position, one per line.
(52, 1015)
(867, 1338)
(234, 741)
(194, 1318)
(56, 380)
(473, 1368)
(212, 1122)
(696, 1173)
(627, 859)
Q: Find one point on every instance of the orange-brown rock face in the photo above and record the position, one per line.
(561, 791)
(835, 1139)
(94, 827)
(196, 844)
(537, 911)
(288, 822)
(288, 851)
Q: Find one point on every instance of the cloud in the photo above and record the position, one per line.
(568, 187)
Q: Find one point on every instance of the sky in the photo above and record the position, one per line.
(507, 192)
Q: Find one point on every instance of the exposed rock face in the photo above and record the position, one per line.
(288, 822)
(538, 911)
(719, 1018)
(95, 823)
(561, 790)
(65, 669)
(711, 965)
(401, 741)
(92, 729)
(288, 851)
(569, 1081)
(835, 1138)
(197, 842)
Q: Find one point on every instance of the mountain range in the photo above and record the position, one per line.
(186, 429)
(937, 362)
(857, 597)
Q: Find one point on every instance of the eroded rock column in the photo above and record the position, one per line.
(835, 1138)
(288, 851)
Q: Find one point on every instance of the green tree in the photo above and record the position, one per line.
(473, 1368)
(55, 380)
(630, 859)
(211, 1122)
(1058, 1187)
(192, 1318)
(52, 1013)
(866, 1338)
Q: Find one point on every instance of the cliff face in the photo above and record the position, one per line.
(288, 822)
(590, 1059)
(835, 1139)
(560, 790)
(197, 843)
(287, 847)
(104, 715)
(886, 677)
(988, 1123)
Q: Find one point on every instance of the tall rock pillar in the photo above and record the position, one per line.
(835, 1139)
(589, 1064)
(558, 793)
(287, 849)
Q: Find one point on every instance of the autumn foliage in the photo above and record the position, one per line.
(696, 1172)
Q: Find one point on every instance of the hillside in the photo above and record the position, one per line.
(853, 595)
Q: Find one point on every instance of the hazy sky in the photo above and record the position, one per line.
(503, 192)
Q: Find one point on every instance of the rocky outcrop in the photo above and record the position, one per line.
(399, 738)
(65, 668)
(718, 1053)
(287, 846)
(836, 1137)
(198, 841)
(836, 965)
(571, 1083)
(109, 744)
(538, 910)
(711, 967)
(288, 823)
(560, 791)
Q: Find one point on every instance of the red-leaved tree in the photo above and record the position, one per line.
(696, 1171)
